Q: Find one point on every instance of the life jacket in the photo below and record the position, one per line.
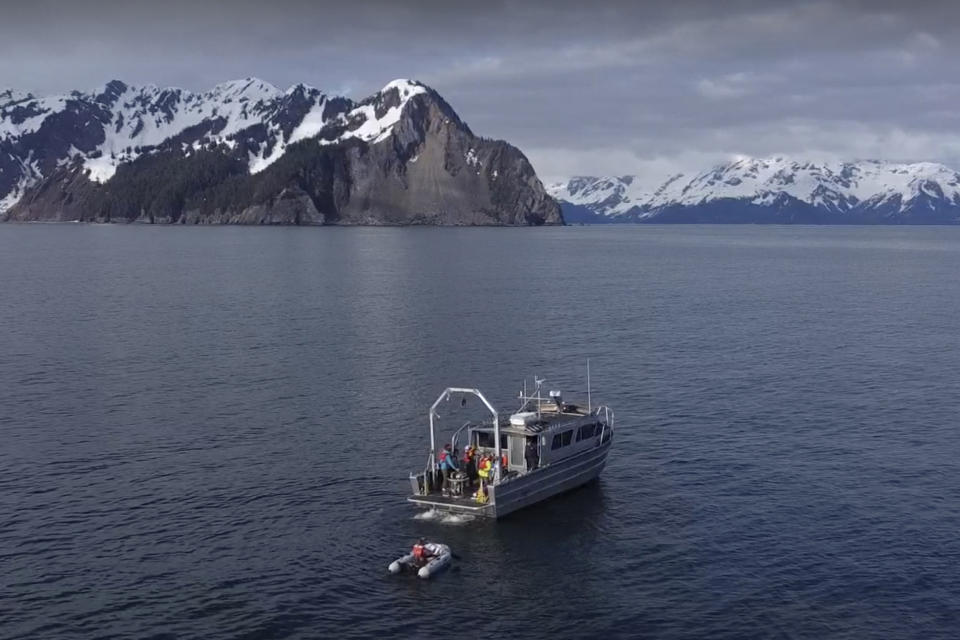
(485, 465)
(419, 551)
(503, 460)
(446, 459)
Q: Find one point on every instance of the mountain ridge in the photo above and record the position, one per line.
(399, 156)
(776, 189)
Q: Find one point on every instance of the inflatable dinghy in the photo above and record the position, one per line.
(439, 558)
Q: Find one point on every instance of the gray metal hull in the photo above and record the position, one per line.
(544, 483)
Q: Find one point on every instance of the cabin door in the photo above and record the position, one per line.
(516, 460)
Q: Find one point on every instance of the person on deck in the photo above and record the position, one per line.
(470, 464)
(484, 470)
(531, 455)
(448, 464)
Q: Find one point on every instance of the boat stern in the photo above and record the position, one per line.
(453, 505)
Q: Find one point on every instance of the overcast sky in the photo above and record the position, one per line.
(586, 87)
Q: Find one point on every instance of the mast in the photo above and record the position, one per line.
(589, 405)
(539, 384)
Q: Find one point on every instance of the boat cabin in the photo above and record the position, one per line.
(555, 433)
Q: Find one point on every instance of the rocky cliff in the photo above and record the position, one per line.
(245, 153)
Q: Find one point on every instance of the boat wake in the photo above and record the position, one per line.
(444, 517)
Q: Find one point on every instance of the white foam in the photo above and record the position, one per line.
(444, 517)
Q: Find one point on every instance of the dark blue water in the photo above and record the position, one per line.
(206, 432)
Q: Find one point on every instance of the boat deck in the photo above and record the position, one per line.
(453, 503)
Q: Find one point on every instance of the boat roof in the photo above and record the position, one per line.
(548, 420)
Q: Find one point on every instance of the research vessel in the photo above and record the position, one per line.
(545, 448)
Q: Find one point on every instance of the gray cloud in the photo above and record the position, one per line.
(600, 87)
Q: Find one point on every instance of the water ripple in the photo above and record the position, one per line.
(207, 432)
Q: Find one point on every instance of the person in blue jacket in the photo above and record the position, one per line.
(448, 464)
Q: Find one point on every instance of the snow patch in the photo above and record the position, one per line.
(312, 123)
(258, 163)
(373, 129)
(9, 200)
(407, 88)
(20, 100)
(472, 160)
(30, 175)
(100, 169)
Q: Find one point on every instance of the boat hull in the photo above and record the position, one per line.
(560, 477)
(527, 489)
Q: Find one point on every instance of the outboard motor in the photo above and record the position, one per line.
(557, 398)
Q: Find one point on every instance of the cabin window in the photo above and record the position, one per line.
(606, 435)
(486, 440)
(567, 437)
(556, 442)
(586, 432)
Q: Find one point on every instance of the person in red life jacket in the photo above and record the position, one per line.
(421, 552)
(470, 463)
(448, 464)
(419, 549)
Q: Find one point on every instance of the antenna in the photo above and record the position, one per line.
(539, 382)
(589, 405)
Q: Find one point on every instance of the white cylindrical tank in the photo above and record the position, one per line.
(523, 418)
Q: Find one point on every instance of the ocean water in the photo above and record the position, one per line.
(206, 432)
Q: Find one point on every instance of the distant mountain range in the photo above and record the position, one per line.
(246, 152)
(772, 190)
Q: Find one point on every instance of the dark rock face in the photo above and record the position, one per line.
(427, 167)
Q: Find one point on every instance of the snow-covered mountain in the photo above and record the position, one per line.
(104, 137)
(772, 190)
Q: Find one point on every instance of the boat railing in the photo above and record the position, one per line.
(607, 412)
(456, 435)
(608, 418)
